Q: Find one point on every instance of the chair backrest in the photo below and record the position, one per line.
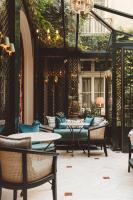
(37, 166)
(97, 134)
(19, 165)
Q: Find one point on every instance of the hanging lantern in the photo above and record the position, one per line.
(81, 6)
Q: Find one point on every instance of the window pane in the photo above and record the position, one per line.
(86, 85)
(86, 100)
(86, 92)
(85, 65)
(98, 85)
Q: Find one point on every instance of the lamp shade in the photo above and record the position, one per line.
(100, 101)
(12, 48)
(46, 79)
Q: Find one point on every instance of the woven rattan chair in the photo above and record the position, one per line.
(22, 169)
(130, 158)
(97, 136)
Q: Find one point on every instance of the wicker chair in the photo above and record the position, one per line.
(22, 169)
(130, 159)
(97, 136)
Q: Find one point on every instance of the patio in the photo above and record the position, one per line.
(96, 178)
(57, 59)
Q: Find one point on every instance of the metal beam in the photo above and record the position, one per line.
(97, 17)
(124, 44)
(63, 22)
(77, 30)
(117, 12)
(129, 34)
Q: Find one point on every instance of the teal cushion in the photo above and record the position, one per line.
(2, 128)
(88, 122)
(42, 146)
(60, 122)
(37, 122)
(66, 134)
(25, 128)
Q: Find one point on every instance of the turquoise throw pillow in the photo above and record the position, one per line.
(25, 128)
(88, 121)
(36, 122)
(60, 122)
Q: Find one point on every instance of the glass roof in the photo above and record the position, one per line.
(47, 20)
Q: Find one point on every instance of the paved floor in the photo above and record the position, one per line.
(83, 178)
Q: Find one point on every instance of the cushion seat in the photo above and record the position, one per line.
(41, 146)
(66, 134)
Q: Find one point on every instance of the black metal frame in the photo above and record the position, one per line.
(117, 12)
(27, 185)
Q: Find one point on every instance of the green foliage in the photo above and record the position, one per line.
(94, 42)
(93, 111)
(123, 37)
(46, 15)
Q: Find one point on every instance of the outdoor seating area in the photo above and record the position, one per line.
(66, 99)
(81, 178)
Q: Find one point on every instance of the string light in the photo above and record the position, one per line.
(37, 30)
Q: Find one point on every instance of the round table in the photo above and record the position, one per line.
(38, 137)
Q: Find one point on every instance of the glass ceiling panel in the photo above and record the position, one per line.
(119, 22)
(92, 35)
(46, 18)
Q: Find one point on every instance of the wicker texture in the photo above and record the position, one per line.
(97, 134)
(11, 165)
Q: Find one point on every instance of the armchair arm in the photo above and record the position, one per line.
(97, 127)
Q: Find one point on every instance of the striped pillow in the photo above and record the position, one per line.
(51, 121)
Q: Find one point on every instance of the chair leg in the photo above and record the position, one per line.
(105, 149)
(88, 152)
(128, 167)
(14, 194)
(54, 189)
(0, 193)
(88, 148)
(24, 194)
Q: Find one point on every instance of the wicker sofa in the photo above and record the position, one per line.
(77, 138)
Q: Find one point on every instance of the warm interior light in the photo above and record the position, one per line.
(100, 101)
(57, 32)
(49, 37)
(12, 48)
(81, 6)
(56, 79)
(37, 30)
(46, 79)
(48, 31)
(6, 43)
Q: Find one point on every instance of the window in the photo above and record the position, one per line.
(86, 92)
(91, 87)
(85, 65)
(98, 88)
